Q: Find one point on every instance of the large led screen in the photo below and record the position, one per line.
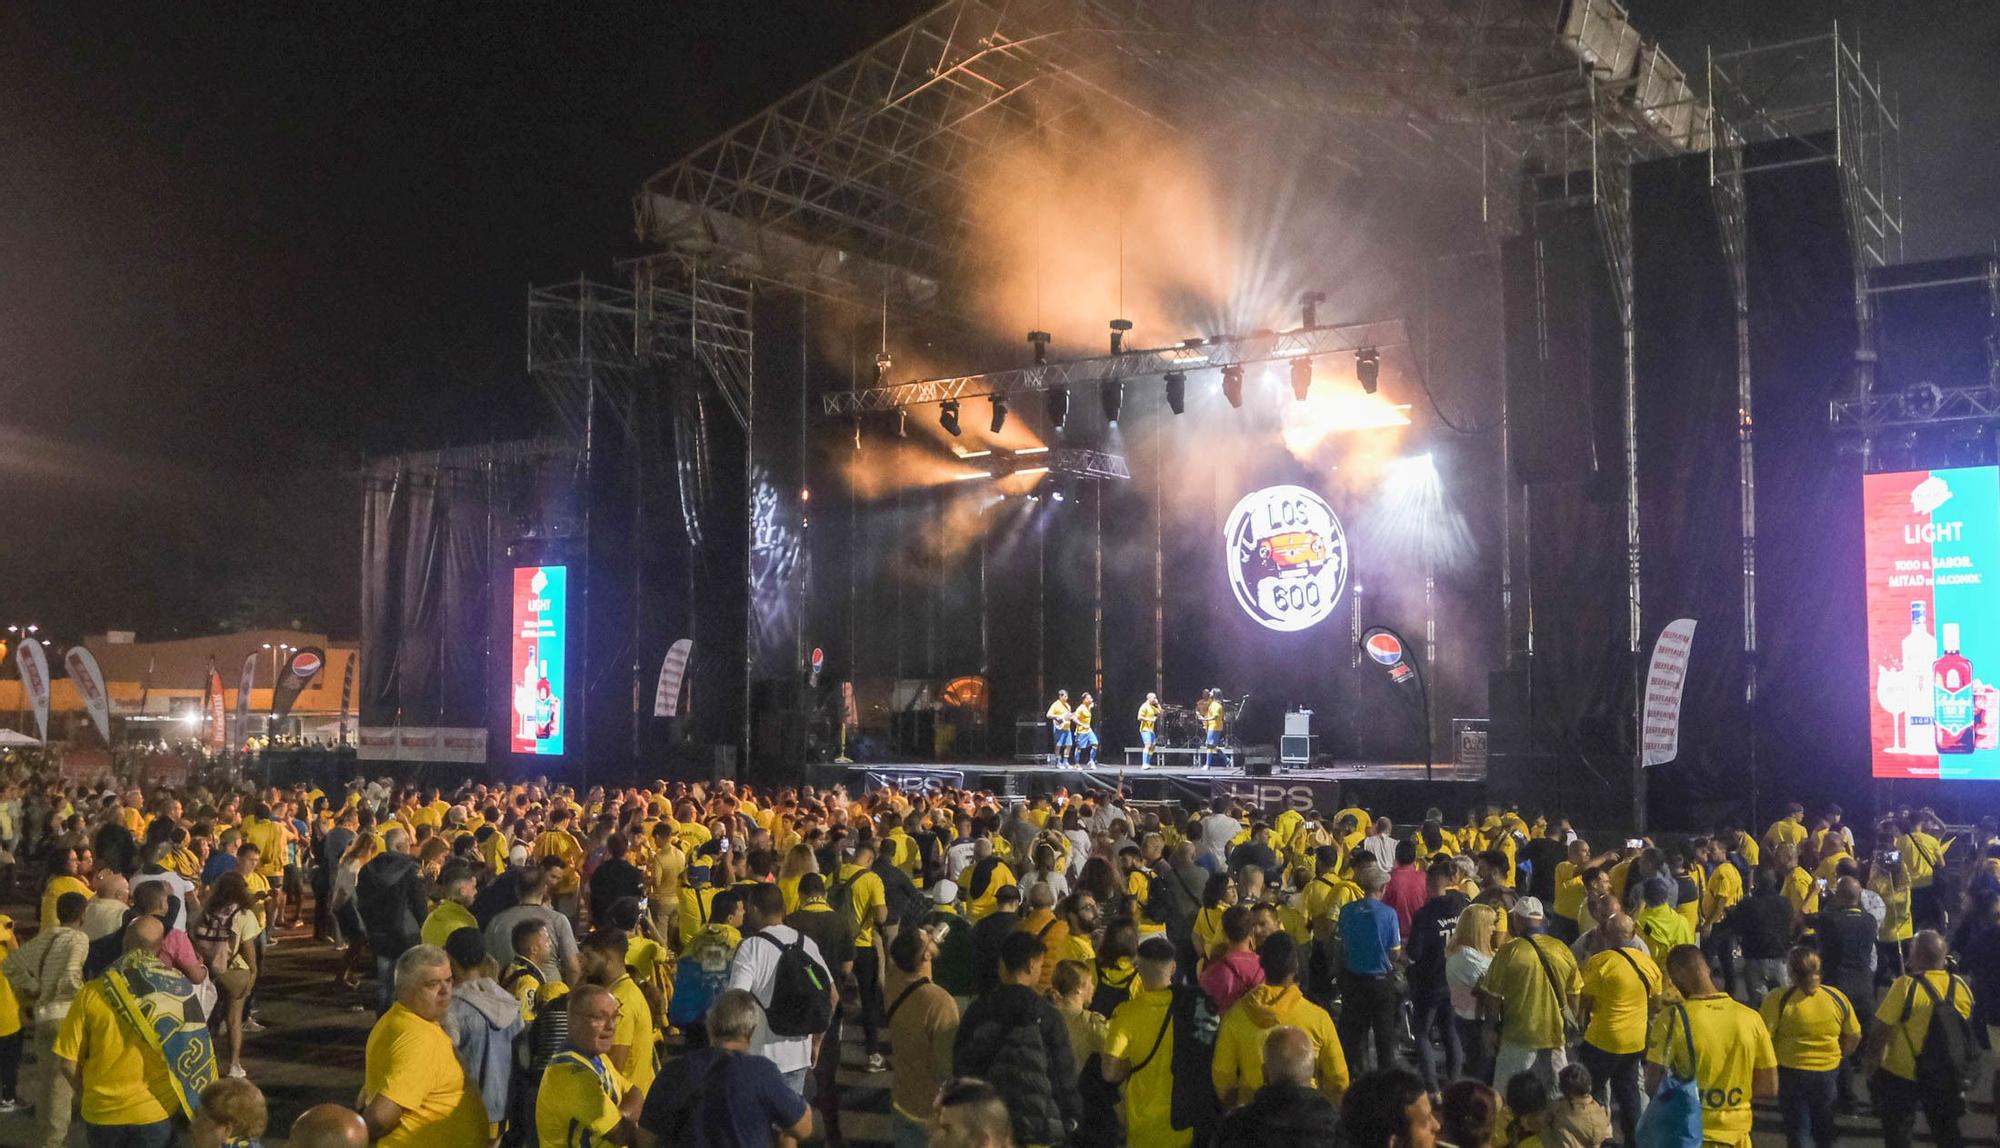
(541, 602)
(1933, 540)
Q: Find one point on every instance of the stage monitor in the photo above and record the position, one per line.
(1933, 554)
(540, 616)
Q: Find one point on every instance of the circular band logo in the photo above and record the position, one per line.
(1287, 557)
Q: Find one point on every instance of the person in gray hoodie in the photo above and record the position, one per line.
(482, 1020)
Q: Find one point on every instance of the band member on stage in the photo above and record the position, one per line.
(1059, 720)
(1086, 738)
(1209, 709)
(1149, 717)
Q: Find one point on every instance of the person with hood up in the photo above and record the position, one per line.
(1013, 1038)
(482, 1020)
(1238, 1069)
(389, 891)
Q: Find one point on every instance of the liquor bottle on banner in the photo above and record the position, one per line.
(1919, 651)
(1955, 710)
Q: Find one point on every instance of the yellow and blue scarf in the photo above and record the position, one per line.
(159, 1005)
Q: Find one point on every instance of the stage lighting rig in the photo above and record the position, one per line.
(882, 364)
(1367, 368)
(1309, 307)
(999, 413)
(1302, 378)
(1111, 396)
(1177, 392)
(1057, 402)
(1118, 329)
(903, 422)
(1040, 341)
(1232, 385)
(948, 416)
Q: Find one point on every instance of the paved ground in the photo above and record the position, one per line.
(311, 1052)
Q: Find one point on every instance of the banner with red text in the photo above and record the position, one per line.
(34, 665)
(667, 695)
(89, 681)
(1660, 734)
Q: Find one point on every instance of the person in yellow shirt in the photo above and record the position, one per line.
(457, 884)
(1210, 711)
(1139, 1053)
(1724, 887)
(532, 978)
(413, 1091)
(1238, 1065)
(1149, 720)
(1794, 882)
(984, 880)
(1086, 737)
(583, 1101)
(1059, 723)
(1616, 995)
(129, 1093)
(1534, 977)
(1889, 879)
(1902, 1025)
(1814, 1029)
(1923, 856)
(10, 1024)
(558, 842)
(1569, 889)
(1787, 830)
(62, 879)
(868, 903)
(1722, 1045)
(635, 1039)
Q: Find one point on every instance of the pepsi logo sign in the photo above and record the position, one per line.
(1384, 648)
(304, 665)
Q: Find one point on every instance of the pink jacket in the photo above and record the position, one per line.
(1229, 977)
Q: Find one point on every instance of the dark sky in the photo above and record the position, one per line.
(242, 245)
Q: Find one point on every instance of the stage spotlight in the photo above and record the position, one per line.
(1058, 496)
(1058, 406)
(857, 434)
(948, 416)
(1111, 396)
(1040, 339)
(902, 422)
(882, 364)
(1367, 368)
(1232, 386)
(1176, 392)
(999, 413)
(1302, 378)
(1118, 329)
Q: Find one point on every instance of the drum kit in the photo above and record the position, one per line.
(1180, 726)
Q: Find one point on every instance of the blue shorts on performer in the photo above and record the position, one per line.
(1064, 739)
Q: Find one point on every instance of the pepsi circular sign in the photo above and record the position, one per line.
(305, 664)
(1384, 648)
(1286, 556)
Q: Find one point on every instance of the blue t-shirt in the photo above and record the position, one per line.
(721, 1099)
(1369, 931)
(218, 864)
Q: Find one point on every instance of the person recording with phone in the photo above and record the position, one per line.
(1889, 879)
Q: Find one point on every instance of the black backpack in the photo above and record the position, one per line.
(1196, 1026)
(1950, 1053)
(801, 991)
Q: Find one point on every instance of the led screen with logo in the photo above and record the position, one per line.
(541, 601)
(1286, 556)
(1933, 552)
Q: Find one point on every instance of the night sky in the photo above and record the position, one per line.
(242, 246)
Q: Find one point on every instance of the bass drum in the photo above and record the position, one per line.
(1180, 728)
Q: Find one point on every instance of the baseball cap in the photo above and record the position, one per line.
(945, 892)
(1528, 908)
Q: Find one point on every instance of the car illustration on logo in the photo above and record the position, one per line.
(1292, 550)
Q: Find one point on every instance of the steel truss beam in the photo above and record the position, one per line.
(1922, 406)
(1194, 355)
(1062, 461)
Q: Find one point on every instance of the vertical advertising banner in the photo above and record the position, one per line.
(217, 733)
(1932, 553)
(540, 627)
(1666, 677)
(246, 680)
(299, 671)
(34, 665)
(667, 695)
(89, 681)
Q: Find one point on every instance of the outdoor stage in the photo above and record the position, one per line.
(1397, 789)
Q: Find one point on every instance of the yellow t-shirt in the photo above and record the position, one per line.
(981, 907)
(1148, 715)
(56, 887)
(269, 838)
(448, 918)
(1211, 716)
(1798, 888)
(410, 1061)
(1081, 716)
(260, 891)
(1569, 890)
(635, 1028)
(1207, 930)
(1720, 894)
(1808, 1030)
(1900, 1057)
(1136, 1025)
(1896, 924)
(10, 1005)
(1531, 1015)
(1139, 887)
(1730, 1044)
(1922, 854)
(865, 894)
(1059, 714)
(1785, 831)
(1619, 983)
(1238, 1067)
(696, 903)
(578, 1101)
(123, 1081)
(559, 843)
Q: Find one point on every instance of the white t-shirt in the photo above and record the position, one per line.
(754, 966)
(1217, 831)
(177, 885)
(1079, 849)
(1382, 848)
(958, 858)
(1462, 970)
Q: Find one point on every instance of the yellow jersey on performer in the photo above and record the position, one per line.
(1080, 716)
(1149, 715)
(1059, 713)
(1211, 715)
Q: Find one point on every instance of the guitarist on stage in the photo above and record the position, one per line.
(1209, 709)
(1149, 717)
(1086, 738)
(1059, 720)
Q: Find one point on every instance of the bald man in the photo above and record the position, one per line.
(1615, 995)
(100, 1059)
(105, 914)
(1287, 1106)
(329, 1126)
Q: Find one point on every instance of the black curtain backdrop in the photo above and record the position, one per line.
(1689, 503)
(1811, 724)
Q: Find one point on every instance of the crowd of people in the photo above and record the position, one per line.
(681, 964)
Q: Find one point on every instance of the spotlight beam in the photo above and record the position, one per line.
(1208, 354)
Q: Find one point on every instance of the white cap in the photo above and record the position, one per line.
(945, 892)
(1528, 908)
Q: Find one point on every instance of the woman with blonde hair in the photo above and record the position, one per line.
(1466, 957)
(1813, 1028)
(799, 861)
(366, 847)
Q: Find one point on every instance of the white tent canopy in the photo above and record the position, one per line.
(10, 738)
